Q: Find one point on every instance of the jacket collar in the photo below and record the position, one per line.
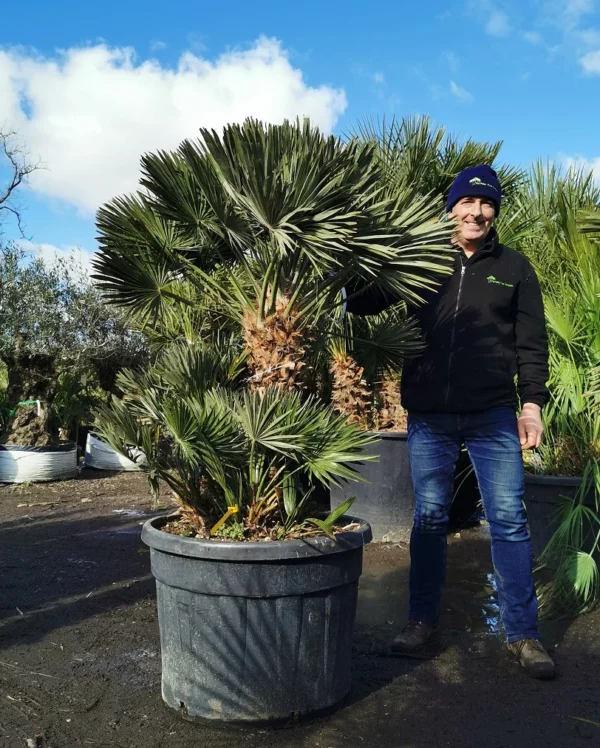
(491, 242)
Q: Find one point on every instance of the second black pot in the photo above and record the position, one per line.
(386, 500)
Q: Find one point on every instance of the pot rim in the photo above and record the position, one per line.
(276, 550)
(399, 435)
(552, 480)
(62, 447)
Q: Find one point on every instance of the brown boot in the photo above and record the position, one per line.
(533, 657)
(417, 639)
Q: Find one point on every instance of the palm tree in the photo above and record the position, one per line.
(422, 160)
(266, 225)
(590, 224)
(544, 210)
(419, 156)
(571, 444)
(251, 237)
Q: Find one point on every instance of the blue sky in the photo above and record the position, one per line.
(92, 85)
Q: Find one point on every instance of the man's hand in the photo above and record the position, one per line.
(530, 426)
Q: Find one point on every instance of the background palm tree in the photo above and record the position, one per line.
(419, 159)
(423, 158)
(545, 208)
(567, 262)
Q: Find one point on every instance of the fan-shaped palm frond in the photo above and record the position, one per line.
(215, 448)
(422, 158)
(382, 342)
(593, 391)
(574, 589)
(267, 224)
(589, 222)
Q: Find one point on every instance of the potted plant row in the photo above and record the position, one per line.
(562, 494)
(60, 347)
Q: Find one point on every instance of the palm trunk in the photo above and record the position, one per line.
(391, 414)
(276, 350)
(351, 395)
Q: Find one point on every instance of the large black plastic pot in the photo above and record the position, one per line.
(255, 632)
(386, 500)
(544, 497)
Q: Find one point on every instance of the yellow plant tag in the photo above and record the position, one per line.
(230, 510)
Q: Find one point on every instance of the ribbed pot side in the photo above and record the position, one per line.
(255, 632)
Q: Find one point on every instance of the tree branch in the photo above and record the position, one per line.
(19, 167)
(17, 215)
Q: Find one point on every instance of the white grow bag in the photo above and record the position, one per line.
(35, 464)
(100, 456)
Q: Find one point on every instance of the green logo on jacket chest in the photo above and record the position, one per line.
(492, 279)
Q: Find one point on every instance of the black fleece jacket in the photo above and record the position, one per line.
(481, 327)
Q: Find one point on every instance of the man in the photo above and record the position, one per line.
(483, 326)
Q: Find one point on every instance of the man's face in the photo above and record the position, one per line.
(474, 218)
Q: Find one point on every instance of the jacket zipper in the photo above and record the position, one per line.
(463, 267)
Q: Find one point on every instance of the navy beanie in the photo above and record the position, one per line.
(476, 181)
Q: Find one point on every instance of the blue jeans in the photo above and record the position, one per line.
(434, 442)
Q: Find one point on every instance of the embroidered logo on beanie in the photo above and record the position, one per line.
(481, 183)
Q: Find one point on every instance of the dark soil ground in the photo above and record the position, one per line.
(80, 659)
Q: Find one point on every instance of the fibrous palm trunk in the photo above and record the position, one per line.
(351, 395)
(391, 414)
(276, 348)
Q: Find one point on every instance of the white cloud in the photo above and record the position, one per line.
(574, 9)
(497, 24)
(591, 62)
(460, 93)
(451, 61)
(157, 45)
(576, 38)
(533, 37)
(590, 37)
(582, 164)
(378, 79)
(90, 112)
(51, 254)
